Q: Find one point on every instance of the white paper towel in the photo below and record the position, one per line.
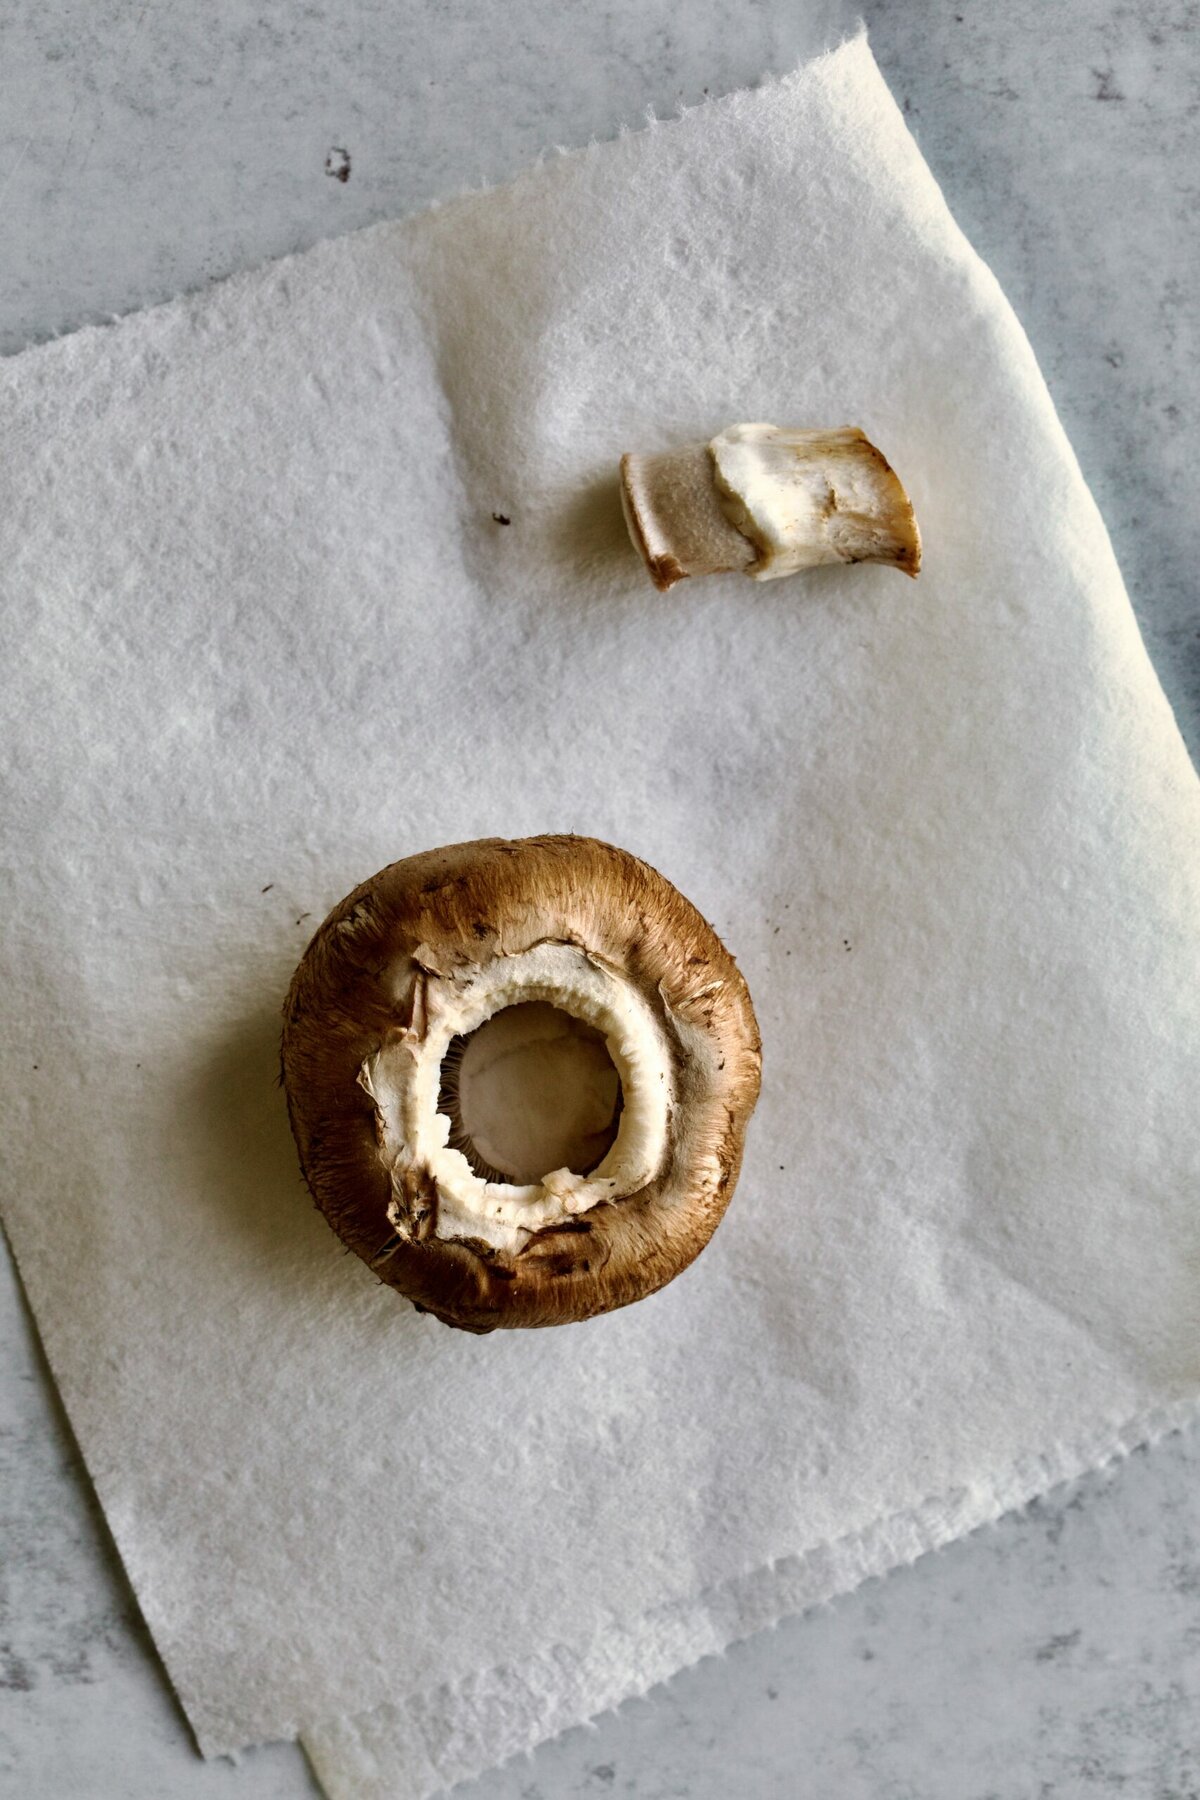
(265, 634)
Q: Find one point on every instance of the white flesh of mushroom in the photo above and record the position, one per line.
(404, 1079)
(765, 500)
(803, 497)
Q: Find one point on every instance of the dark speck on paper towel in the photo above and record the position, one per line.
(501, 518)
(337, 163)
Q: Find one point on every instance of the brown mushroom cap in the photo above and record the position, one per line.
(396, 955)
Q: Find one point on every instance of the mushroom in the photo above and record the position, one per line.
(763, 501)
(519, 1075)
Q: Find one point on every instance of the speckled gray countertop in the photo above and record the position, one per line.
(147, 148)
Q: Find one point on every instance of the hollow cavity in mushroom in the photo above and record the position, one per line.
(530, 1091)
(406, 1079)
(765, 501)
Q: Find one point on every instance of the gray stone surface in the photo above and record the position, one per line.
(149, 148)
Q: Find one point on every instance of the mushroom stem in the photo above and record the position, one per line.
(764, 501)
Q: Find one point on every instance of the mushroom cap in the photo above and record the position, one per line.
(368, 987)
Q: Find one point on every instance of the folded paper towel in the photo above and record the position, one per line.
(266, 634)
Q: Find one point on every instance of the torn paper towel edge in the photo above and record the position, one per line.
(579, 1685)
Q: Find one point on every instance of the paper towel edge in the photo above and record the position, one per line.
(62, 343)
(1060, 1469)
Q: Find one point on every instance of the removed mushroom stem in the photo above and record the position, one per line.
(765, 501)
